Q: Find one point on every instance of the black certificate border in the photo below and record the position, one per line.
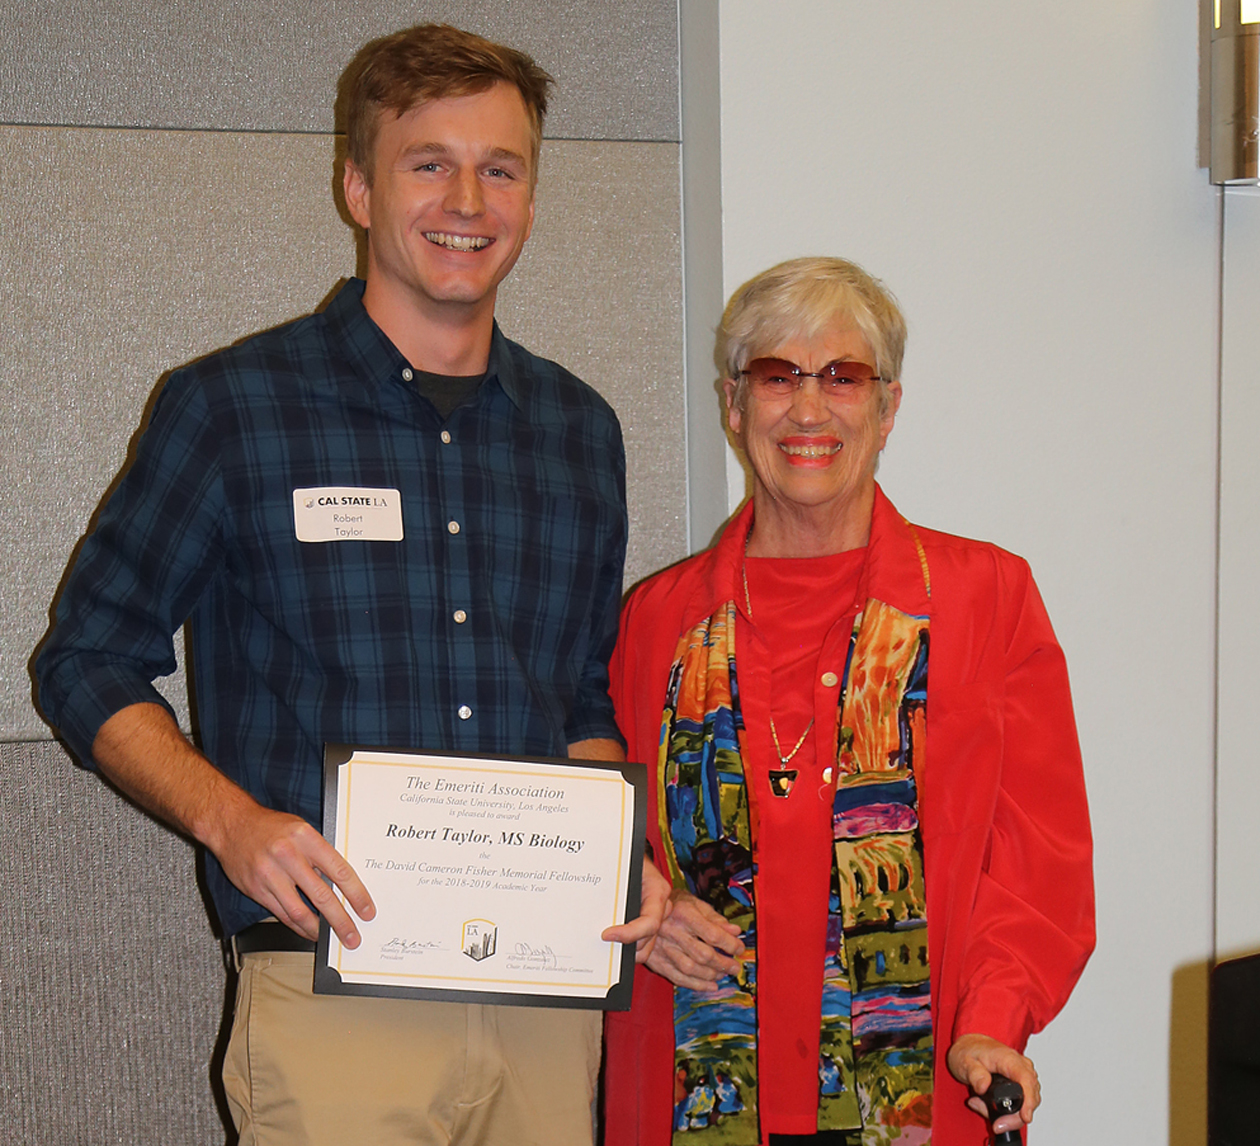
(329, 982)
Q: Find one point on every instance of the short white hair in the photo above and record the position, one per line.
(796, 301)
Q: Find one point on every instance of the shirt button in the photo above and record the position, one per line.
(460, 616)
(830, 679)
(407, 374)
(827, 775)
(452, 527)
(446, 437)
(464, 712)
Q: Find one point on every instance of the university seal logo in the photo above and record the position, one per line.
(479, 939)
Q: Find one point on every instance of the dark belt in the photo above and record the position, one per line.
(270, 936)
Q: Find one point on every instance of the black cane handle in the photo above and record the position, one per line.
(1004, 1097)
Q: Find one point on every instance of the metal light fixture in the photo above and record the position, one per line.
(1236, 91)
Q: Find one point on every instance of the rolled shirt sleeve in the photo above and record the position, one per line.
(137, 577)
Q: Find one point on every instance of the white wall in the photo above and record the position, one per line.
(1024, 178)
(1238, 714)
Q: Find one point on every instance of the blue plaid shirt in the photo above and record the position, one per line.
(487, 628)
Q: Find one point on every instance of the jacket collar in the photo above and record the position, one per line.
(896, 563)
(895, 572)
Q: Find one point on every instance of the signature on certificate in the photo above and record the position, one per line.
(397, 947)
(542, 958)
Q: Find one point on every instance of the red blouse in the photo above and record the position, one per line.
(795, 604)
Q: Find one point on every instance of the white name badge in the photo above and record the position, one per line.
(347, 513)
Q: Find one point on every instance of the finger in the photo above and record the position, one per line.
(1022, 1071)
(653, 907)
(685, 945)
(638, 928)
(676, 965)
(644, 948)
(288, 907)
(643, 943)
(1032, 1099)
(714, 922)
(330, 907)
(1008, 1122)
(704, 915)
(311, 851)
(699, 924)
(979, 1077)
(678, 975)
(337, 868)
(265, 878)
(277, 890)
(700, 986)
(316, 855)
(728, 941)
(677, 933)
(706, 969)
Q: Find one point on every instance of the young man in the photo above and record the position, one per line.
(474, 610)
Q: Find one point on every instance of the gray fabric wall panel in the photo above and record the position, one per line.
(113, 985)
(233, 65)
(599, 289)
(125, 253)
(135, 251)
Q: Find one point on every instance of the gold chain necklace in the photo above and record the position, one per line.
(780, 785)
(779, 748)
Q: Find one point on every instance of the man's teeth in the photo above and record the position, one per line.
(815, 450)
(457, 242)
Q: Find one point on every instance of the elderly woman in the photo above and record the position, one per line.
(868, 789)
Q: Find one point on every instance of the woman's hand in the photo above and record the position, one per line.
(654, 905)
(695, 946)
(974, 1059)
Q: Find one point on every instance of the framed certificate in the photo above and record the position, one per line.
(492, 876)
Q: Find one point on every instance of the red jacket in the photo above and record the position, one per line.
(1007, 846)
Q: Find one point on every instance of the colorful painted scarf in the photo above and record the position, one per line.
(875, 1059)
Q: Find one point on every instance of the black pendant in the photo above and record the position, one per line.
(781, 780)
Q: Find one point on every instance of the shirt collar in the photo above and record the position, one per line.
(376, 359)
(503, 367)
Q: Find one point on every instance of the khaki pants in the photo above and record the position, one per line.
(332, 1070)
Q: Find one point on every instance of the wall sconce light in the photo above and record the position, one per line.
(1235, 92)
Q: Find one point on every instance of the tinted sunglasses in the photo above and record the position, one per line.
(779, 378)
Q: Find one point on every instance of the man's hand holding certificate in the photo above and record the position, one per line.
(492, 878)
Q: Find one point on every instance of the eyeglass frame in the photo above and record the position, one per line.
(849, 386)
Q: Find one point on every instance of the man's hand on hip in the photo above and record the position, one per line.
(271, 856)
(268, 855)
